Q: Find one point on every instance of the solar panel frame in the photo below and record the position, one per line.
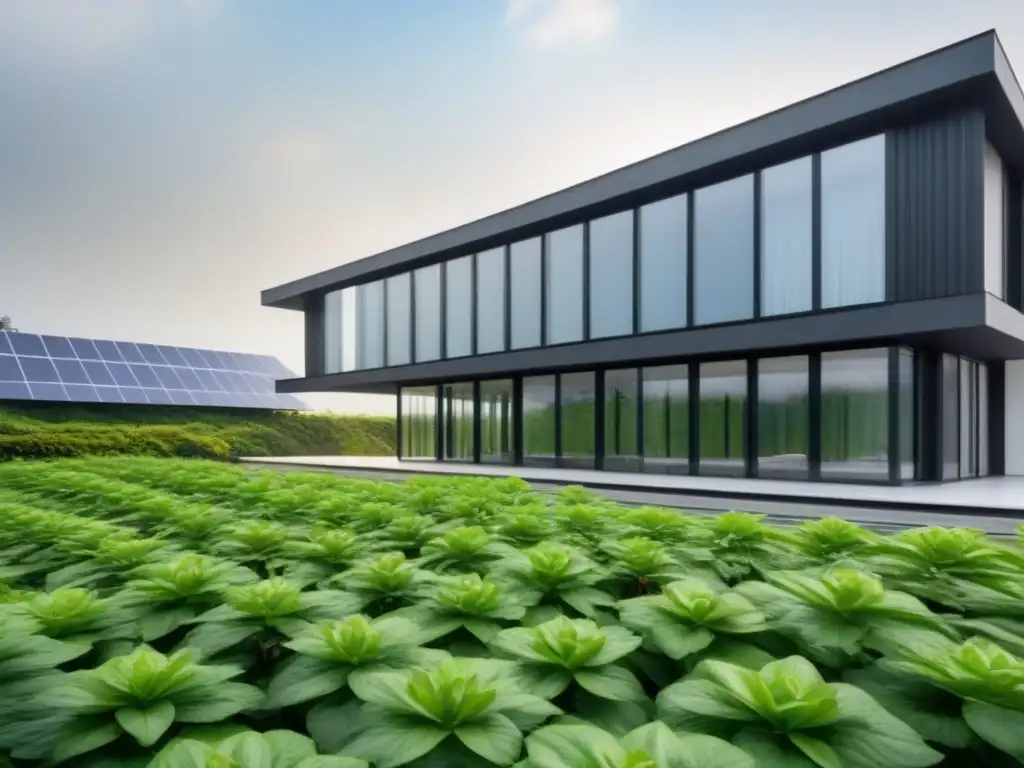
(5, 345)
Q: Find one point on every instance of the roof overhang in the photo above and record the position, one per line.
(973, 72)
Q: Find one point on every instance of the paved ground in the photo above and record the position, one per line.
(789, 511)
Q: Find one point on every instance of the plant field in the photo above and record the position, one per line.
(184, 614)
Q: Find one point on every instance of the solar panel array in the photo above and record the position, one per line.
(58, 368)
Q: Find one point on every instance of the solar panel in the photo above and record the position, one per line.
(58, 368)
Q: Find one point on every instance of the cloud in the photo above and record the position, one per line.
(551, 22)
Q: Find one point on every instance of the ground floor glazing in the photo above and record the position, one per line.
(885, 415)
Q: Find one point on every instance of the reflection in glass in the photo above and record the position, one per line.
(459, 307)
(663, 228)
(399, 290)
(332, 332)
(853, 223)
(621, 415)
(578, 400)
(427, 287)
(723, 403)
(490, 301)
(666, 417)
(611, 275)
(564, 285)
(457, 421)
(968, 418)
(995, 226)
(539, 420)
(419, 422)
(950, 417)
(371, 325)
(983, 419)
(783, 417)
(907, 416)
(724, 252)
(349, 329)
(525, 272)
(786, 238)
(497, 444)
(855, 415)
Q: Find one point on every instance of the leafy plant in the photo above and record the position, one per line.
(478, 605)
(383, 583)
(273, 749)
(556, 576)
(464, 550)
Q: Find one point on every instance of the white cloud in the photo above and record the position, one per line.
(551, 22)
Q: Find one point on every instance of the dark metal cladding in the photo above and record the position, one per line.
(313, 306)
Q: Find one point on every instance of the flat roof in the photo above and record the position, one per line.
(972, 70)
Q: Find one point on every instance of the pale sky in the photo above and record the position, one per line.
(163, 161)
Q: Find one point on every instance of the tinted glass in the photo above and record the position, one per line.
(399, 290)
(663, 228)
(578, 396)
(621, 417)
(783, 417)
(786, 238)
(457, 421)
(57, 346)
(855, 415)
(490, 301)
(38, 369)
(459, 307)
(539, 420)
(525, 273)
(611, 275)
(908, 415)
(427, 283)
(371, 325)
(724, 252)
(723, 407)
(9, 369)
(666, 417)
(332, 332)
(853, 223)
(419, 422)
(564, 285)
(350, 336)
(71, 372)
(496, 411)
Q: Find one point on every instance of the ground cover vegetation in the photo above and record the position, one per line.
(188, 614)
(55, 430)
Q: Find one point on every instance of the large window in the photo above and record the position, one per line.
(563, 296)
(371, 325)
(853, 223)
(419, 422)
(950, 417)
(995, 227)
(786, 238)
(332, 332)
(497, 444)
(621, 416)
(578, 396)
(427, 288)
(459, 307)
(350, 329)
(539, 420)
(457, 421)
(907, 415)
(663, 228)
(783, 417)
(525, 273)
(399, 329)
(964, 418)
(666, 419)
(611, 275)
(490, 301)
(855, 415)
(724, 252)
(723, 408)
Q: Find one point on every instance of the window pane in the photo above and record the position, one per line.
(419, 425)
(724, 258)
(621, 413)
(783, 417)
(332, 332)
(667, 419)
(968, 426)
(995, 231)
(371, 325)
(564, 283)
(539, 420)
(908, 416)
(459, 306)
(982, 419)
(578, 396)
(611, 275)
(786, 238)
(663, 227)
(950, 417)
(457, 421)
(855, 415)
(490, 301)
(427, 282)
(524, 268)
(496, 404)
(723, 401)
(350, 343)
(399, 313)
(853, 223)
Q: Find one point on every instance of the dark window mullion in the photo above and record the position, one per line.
(816, 231)
(586, 281)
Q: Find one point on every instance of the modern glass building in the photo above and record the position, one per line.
(831, 292)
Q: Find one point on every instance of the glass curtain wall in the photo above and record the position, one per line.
(427, 290)
(666, 419)
(563, 283)
(497, 441)
(787, 238)
(611, 275)
(723, 410)
(539, 421)
(964, 418)
(855, 415)
(399, 289)
(723, 263)
(662, 259)
(578, 396)
(332, 332)
(525, 291)
(621, 419)
(370, 310)
(457, 421)
(783, 417)
(458, 307)
(419, 423)
(490, 301)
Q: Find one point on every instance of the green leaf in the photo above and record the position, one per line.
(544, 680)
(619, 642)
(494, 738)
(482, 630)
(289, 748)
(570, 746)
(305, 678)
(210, 639)
(820, 752)
(146, 726)
(616, 717)
(183, 754)
(678, 640)
(159, 623)
(518, 644)
(387, 690)
(1000, 727)
(687, 704)
(332, 761)
(391, 742)
(333, 725)
(610, 682)
(211, 705)
(248, 749)
(773, 751)
(83, 737)
(701, 751)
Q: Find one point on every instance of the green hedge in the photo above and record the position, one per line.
(55, 430)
